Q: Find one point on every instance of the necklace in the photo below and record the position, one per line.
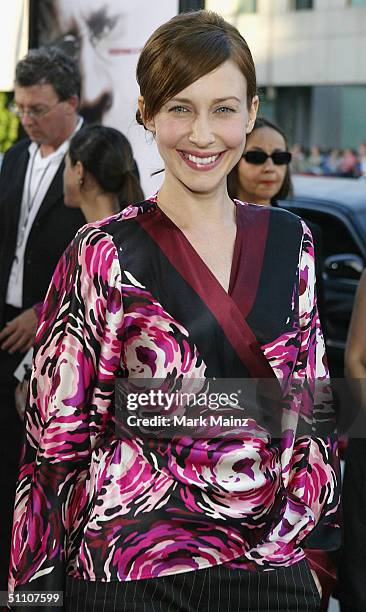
(31, 199)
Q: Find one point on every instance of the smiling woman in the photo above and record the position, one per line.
(200, 135)
(176, 291)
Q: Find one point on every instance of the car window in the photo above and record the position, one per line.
(336, 237)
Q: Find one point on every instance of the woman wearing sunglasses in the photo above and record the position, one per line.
(262, 176)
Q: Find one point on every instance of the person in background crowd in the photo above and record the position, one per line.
(261, 179)
(298, 160)
(352, 588)
(362, 159)
(36, 227)
(348, 164)
(332, 162)
(315, 161)
(100, 173)
(262, 175)
(177, 521)
(100, 179)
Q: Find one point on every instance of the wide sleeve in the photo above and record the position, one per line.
(311, 470)
(70, 406)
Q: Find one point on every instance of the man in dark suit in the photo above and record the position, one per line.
(36, 227)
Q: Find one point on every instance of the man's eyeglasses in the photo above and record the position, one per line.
(279, 158)
(33, 113)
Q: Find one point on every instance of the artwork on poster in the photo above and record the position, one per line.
(108, 37)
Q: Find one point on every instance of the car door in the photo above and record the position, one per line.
(342, 261)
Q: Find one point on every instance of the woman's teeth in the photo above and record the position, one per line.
(201, 161)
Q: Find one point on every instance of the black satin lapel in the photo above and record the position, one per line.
(142, 256)
(222, 306)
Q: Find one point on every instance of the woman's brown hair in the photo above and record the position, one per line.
(183, 50)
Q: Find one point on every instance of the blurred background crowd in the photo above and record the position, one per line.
(347, 163)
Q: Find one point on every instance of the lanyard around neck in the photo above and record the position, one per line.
(29, 198)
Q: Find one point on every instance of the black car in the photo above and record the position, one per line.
(338, 206)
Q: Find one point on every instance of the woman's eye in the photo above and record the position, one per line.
(225, 109)
(178, 109)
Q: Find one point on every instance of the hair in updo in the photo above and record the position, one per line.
(107, 155)
(183, 50)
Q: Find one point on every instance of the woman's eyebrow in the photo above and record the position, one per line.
(226, 99)
(215, 101)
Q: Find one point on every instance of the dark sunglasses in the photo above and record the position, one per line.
(280, 158)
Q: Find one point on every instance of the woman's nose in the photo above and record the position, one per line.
(268, 164)
(201, 132)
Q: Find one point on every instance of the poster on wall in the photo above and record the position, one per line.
(106, 38)
(13, 39)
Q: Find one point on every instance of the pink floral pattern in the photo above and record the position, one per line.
(102, 508)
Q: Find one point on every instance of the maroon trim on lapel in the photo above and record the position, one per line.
(192, 268)
(248, 255)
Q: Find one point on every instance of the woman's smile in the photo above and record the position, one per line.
(203, 162)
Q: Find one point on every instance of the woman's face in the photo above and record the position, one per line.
(260, 183)
(201, 132)
(71, 184)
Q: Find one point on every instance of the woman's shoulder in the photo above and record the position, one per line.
(277, 214)
(107, 224)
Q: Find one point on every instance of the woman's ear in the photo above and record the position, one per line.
(149, 124)
(252, 114)
(80, 172)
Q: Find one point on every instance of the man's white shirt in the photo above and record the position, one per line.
(40, 173)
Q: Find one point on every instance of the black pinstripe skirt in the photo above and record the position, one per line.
(290, 589)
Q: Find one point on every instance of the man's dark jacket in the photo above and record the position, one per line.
(53, 228)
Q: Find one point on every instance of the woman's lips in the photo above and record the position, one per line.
(200, 162)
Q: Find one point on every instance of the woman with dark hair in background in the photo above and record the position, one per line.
(263, 176)
(197, 517)
(100, 173)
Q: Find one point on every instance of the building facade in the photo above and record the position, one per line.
(311, 65)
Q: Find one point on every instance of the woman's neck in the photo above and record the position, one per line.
(243, 196)
(189, 209)
(99, 206)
